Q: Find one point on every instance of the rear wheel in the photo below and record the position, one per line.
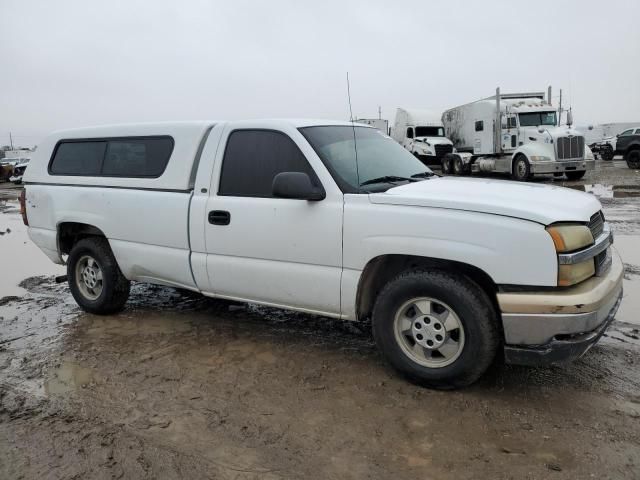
(521, 169)
(607, 153)
(95, 279)
(575, 175)
(437, 328)
(458, 166)
(633, 158)
(446, 164)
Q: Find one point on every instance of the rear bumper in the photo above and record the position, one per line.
(544, 328)
(560, 167)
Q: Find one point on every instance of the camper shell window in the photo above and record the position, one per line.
(129, 157)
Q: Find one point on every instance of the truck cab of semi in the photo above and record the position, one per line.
(528, 141)
(421, 132)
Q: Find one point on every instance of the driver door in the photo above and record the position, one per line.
(277, 251)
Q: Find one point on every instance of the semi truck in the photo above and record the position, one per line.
(517, 134)
(422, 133)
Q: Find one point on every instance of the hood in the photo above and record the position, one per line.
(544, 204)
(436, 140)
(555, 132)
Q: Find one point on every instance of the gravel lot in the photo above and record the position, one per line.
(179, 386)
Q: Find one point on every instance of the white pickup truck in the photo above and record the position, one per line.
(333, 219)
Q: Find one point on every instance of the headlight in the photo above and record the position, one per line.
(570, 237)
(571, 274)
(539, 158)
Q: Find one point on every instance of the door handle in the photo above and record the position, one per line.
(219, 217)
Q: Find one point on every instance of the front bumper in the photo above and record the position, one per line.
(561, 167)
(546, 328)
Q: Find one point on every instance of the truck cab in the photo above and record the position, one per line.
(421, 132)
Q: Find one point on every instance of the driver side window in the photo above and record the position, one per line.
(626, 133)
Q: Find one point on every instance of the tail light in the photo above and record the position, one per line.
(23, 207)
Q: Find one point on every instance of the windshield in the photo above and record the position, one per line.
(536, 119)
(378, 156)
(429, 132)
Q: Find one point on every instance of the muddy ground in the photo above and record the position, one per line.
(178, 386)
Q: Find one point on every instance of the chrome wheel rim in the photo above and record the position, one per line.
(429, 332)
(521, 168)
(89, 277)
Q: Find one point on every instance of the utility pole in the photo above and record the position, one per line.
(11, 140)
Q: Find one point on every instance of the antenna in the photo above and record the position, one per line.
(355, 145)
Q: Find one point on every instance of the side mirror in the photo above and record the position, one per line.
(590, 127)
(296, 185)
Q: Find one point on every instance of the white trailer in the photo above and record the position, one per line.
(517, 134)
(379, 123)
(422, 133)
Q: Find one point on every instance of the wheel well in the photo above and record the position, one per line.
(380, 270)
(70, 232)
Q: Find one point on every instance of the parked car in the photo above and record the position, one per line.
(451, 271)
(628, 145)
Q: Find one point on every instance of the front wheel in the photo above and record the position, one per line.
(436, 328)
(521, 169)
(575, 175)
(95, 279)
(633, 158)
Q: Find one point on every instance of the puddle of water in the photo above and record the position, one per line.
(604, 191)
(68, 377)
(20, 256)
(629, 248)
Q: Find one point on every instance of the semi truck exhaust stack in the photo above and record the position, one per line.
(498, 123)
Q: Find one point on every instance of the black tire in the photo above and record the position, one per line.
(632, 157)
(575, 175)
(607, 153)
(470, 304)
(458, 166)
(114, 287)
(521, 170)
(446, 165)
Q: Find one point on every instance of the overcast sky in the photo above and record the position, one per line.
(77, 63)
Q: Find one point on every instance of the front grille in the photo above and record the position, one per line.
(442, 150)
(596, 224)
(570, 147)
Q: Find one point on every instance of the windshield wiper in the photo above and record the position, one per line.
(387, 179)
(423, 175)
